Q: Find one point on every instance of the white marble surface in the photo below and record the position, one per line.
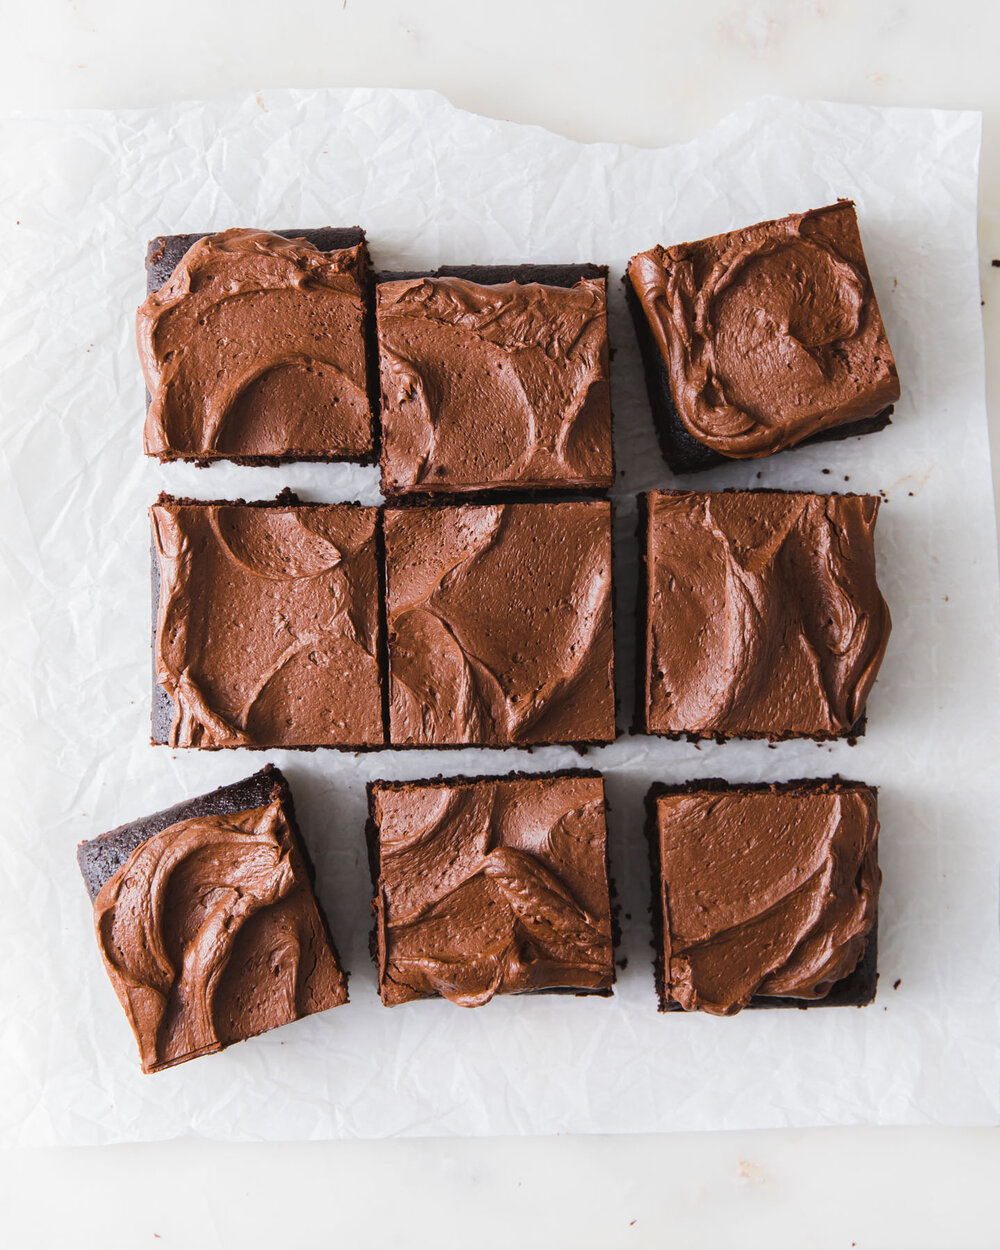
(645, 72)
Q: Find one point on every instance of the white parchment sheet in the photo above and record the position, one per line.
(82, 192)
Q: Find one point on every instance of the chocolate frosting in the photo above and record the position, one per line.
(503, 385)
(499, 621)
(770, 334)
(764, 616)
(769, 893)
(210, 934)
(267, 627)
(255, 347)
(492, 887)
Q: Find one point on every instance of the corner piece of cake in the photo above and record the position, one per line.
(258, 347)
(495, 379)
(207, 922)
(764, 895)
(762, 338)
(760, 614)
(490, 885)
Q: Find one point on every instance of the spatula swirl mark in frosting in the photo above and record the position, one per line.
(478, 653)
(261, 608)
(249, 317)
(492, 383)
(771, 333)
(476, 896)
(765, 894)
(168, 922)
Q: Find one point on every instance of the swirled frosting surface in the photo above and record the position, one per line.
(499, 621)
(255, 347)
(492, 887)
(770, 334)
(267, 625)
(765, 893)
(764, 615)
(210, 934)
(487, 386)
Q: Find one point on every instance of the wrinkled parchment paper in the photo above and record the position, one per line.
(82, 193)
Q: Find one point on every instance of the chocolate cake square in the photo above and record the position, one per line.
(207, 922)
(760, 614)
(490, 885)
(495, 379)
(266, 624)
(762, 338)
(764, 895)
(258, 347)
(500, 624)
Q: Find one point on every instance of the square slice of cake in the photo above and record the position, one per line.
(500, 628)
(490, 885)
(207, 922)
(761, 615)
(495, 379)
(764, 895)
(762, 338)
(258, 347)
(266, 624)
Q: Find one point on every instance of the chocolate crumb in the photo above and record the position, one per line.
(824, 470)
(897, 983)
(995, 262)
